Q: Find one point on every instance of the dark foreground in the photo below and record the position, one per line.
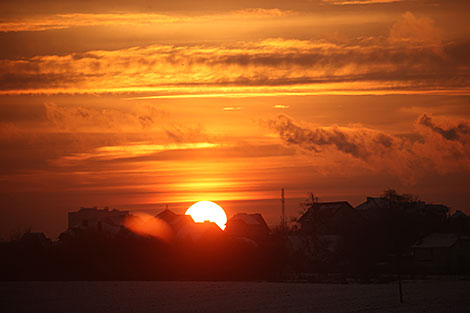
(420, 296)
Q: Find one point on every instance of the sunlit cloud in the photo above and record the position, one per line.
(232, 108)
(130, 150)
(63, 21)
(261, 12)
(413, 59)
(356, 2)
(280, 106)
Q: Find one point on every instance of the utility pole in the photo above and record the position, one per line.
(283, 212)
(400, 288)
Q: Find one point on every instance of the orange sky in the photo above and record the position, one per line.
(132, 104)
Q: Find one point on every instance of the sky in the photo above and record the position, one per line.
(138, 104)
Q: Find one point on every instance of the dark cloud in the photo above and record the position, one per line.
(88, 118)
(407, 156)
(452, 133)
(359, 143)
(22, 80)
(185, 134)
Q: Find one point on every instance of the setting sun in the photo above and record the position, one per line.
(207, 211)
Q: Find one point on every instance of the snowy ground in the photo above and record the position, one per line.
(69, 297)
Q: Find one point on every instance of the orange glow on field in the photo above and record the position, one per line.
(208, 211)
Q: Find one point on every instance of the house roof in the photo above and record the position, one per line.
(196, 231)
(255, 219)
(374, 202)
(166, 215)
(459, 214)
(326, 208)
(416, 206)
(172, 218)
(437, 208)
(34, 236)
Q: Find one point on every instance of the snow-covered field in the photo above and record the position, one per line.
(69, 297)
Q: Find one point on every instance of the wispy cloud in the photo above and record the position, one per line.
(359, 2)
(360, 143)
(131, 150)
(399, 155)
(63, 21)
(280, 106)
(232, 108)
(84, 118)
(459, 132)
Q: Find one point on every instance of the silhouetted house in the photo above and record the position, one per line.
(186, 230)
(459, 222)
(196, 232)
(36, 240)
(374, 208)
(174, 220)
(330, 218)
(94, 219)
(443, 252)
(439, 210)
(251, 226)
(329, 225)
(377, 208)
(459, 215)
(416, 219)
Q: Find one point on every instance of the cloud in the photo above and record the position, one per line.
(280, 106)
(232, 108)
(85, 118)
(9, 131)
(356, 2)
(399, 155)
(184, 134)
(415, 31)
(413, 59)
(262, 12)
(459, 132)
(128, 151)
(64, 21)
(360, 143)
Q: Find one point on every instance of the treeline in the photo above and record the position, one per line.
(126, 256)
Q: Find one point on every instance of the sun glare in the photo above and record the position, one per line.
(208, 211)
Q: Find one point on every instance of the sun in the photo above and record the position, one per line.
(208, 211)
